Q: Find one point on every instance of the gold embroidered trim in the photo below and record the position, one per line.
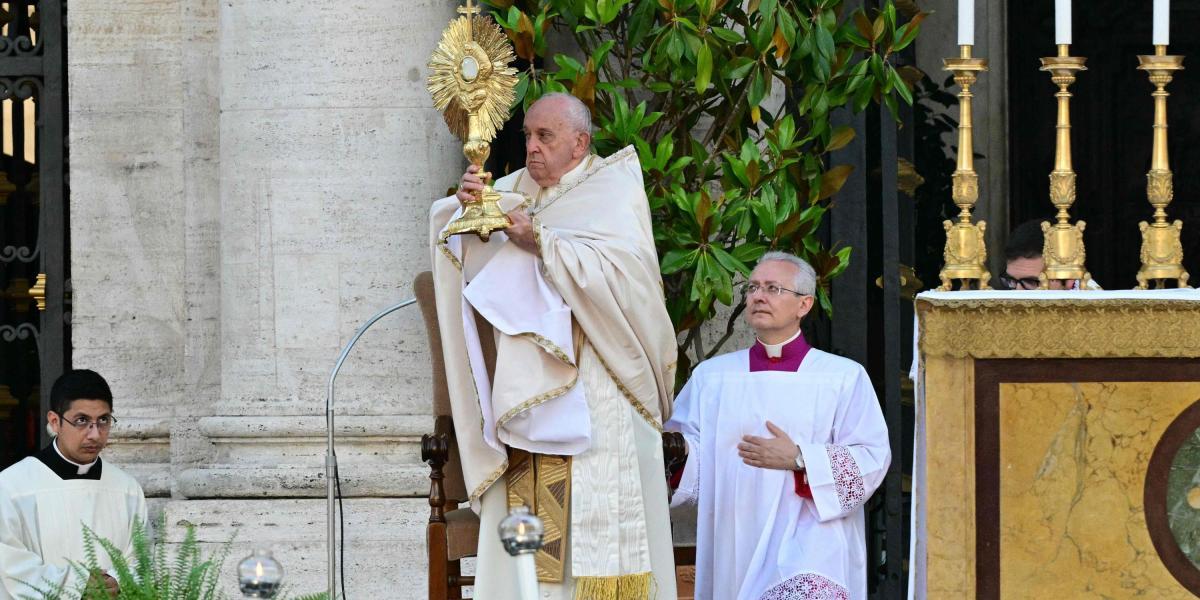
(547, 345)
(552, 349)
(450, 256)
(537, 234)
(487, 483)
(589, 170)
(535, 401)
(1022, 328)
(637, 405)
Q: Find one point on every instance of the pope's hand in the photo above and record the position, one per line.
(521, 230)
(777, 452)
(470, 183)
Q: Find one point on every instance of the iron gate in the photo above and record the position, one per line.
(34, 272)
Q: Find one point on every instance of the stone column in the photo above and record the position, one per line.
(133, 183)
(330, 156)
(250, 182)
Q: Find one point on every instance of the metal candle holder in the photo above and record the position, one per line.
(1063, 250)
(1162, 251)
(965, 254)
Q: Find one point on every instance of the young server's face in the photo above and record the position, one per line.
(775, 314)
(553, 145)
(82, 429)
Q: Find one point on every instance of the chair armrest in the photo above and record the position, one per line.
(674, 451)
(435, 450)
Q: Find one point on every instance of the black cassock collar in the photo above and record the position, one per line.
(64, 468)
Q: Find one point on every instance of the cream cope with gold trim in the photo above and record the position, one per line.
(597, 254)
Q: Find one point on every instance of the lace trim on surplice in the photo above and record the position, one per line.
(807, 586)
(847, 477)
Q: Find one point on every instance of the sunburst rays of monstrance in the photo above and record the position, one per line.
(473, 86)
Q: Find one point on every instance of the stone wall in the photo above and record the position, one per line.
(249, 182)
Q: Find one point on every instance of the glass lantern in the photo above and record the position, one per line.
(521, 532)
(260, 575)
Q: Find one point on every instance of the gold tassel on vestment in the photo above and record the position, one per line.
(543, 483)
(616, 587)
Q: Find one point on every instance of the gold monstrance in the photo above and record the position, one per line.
(472, 84)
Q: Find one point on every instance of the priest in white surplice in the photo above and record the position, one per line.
(785, 445)
(46, 500)
(568, 418)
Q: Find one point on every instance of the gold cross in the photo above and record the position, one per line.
(469, 9)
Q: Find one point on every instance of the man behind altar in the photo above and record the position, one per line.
(785, 445)
(567, 418)
(48, 499)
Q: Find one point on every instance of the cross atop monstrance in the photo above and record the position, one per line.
(469, 10)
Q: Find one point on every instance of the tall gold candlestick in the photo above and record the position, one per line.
(1162, 251)
(1063, 249)
(965, 254)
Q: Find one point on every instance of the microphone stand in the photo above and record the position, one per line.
(330, 457)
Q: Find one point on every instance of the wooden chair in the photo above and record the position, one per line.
(452, 532)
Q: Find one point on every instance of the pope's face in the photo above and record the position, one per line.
(81, 444)
(775, 317)
(552, 145)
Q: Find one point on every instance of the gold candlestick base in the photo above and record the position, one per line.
(965, 254)
(1063, 250)
(1162, 251)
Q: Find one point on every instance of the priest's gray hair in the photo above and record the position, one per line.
(806, 276)
(578, 115)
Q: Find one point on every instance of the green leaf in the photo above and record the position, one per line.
(703, 68)
(749, 252)
(727, 35)
(601, 53)
(766, 8)
(900, 85)
(728, 261)
(675, 45)
(641, 22)
(758, 89)
(677, 260)
(568, 64)
(738, 67)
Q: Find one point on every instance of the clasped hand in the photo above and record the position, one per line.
(777, 452)
(521, 230)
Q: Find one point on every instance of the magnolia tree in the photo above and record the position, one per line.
(728, 104)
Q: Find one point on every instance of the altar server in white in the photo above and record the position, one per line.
(47, 499)
(785, 445)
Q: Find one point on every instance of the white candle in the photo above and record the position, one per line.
(1162, 22)
(966, 22)
(1062, 21)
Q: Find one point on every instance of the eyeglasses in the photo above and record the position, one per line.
(83, 423)
(748, 289)
(1020, 283)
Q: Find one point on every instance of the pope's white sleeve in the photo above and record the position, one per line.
(22, 571)
(684, 419)
(843, 473)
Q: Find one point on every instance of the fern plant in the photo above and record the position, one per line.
(149, 574)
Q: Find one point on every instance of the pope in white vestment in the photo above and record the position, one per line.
(793, 526)
(47, 499)
(584, 367)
